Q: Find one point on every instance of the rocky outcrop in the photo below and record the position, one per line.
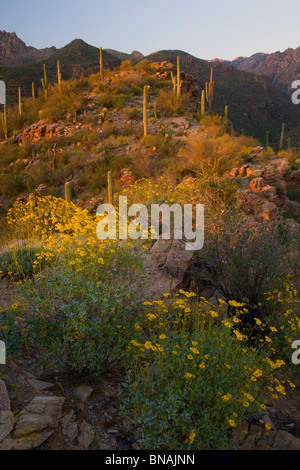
(169, 267)
(14, 51)
(43, 129)
(263, 190)
(281, 68)
(34, 424)
(126, 179)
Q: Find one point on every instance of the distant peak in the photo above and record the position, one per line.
(137, 54)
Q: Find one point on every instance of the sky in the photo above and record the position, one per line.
(206, 29)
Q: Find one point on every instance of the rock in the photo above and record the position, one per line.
(178, 259)
(7, 421)
(258, 149)
(86, 435)
(254, 172)
(234, 172)
(71, 431)
(269, 192)
(284, 167)
(69, 427)
(243, 171)
(41, 413)
(38, 385)
(286, 441)
(157, 256)
(253, 203)
(271, 174)
(43, 129)
(257, 184)
(84, 392)
(252, 438)
(4, 398)
(126, 178)
(25, 443)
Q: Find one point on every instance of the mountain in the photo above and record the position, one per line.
(255, 104)
(76, 59)
(13, 50)
(280, 68)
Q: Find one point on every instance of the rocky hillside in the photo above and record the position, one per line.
(13, 50)
(255, 104)
(280, 68)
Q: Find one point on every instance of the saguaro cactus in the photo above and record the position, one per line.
(226, 114)
(101, 66)
(202, 104)
(45, 83)
(209, 90)
(20, 102)
(33, 90)
(145, 110)
(58, 76)
(4, 121)
(282, 137)
(110, 187)
(68, 192)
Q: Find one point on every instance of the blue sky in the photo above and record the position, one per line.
(206, 29)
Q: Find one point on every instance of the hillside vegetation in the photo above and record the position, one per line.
(185, 350)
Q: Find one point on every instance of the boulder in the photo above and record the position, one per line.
(43, 412)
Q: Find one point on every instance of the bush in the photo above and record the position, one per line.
(208, 156)
(79, 308)
(81, 313)
(245, 258)
(193, 378)
(171, 104)
(18, 263)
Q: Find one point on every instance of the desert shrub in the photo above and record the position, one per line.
(141, 161)
(293, 192)
(78, 310)
(208, 156)
(40, 217)
(285, 303)
(9, 330)
(89, 326)
(164, 144)
(171, 104)
(133, 113)
(18, 262)
(10, 184)
(193, 378)
(246, 258)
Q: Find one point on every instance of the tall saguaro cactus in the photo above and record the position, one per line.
(202, 104)
(226, 114)
(20, 102)
(45, 83)
(68, 192)
(179, 82)
(110, 187)
(33, 90)
(145, 110)
(101, 66)
(4, 121)
(209, 90)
